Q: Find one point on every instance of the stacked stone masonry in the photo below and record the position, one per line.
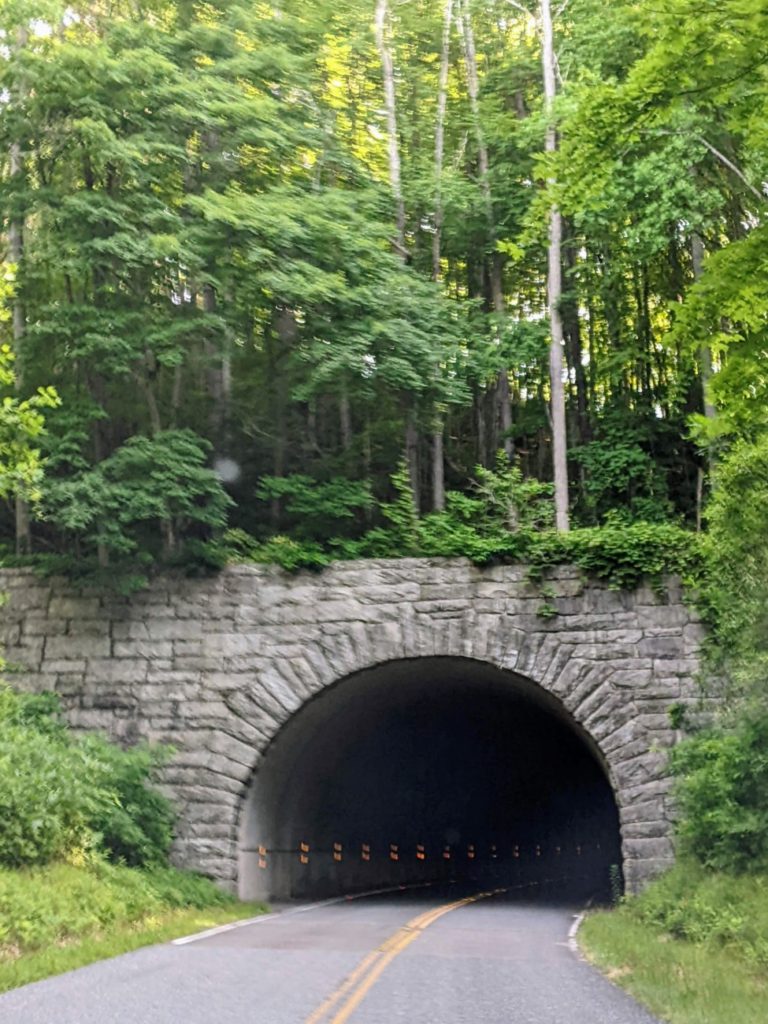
(216, 666)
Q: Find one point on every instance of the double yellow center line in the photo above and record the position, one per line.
(342, 1003)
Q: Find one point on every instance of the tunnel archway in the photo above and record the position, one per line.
(432, 768)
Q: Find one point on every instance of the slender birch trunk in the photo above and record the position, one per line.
(438, 469)
(473, 88)
(412, 455)
(705, 372)
(381, 28)
(705, 353)
(214, 373)
(15, 253)
(381, 23)
(467, 34)
(555, 286)
(438, 453)
(442, 101)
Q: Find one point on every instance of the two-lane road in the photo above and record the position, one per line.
(425, 958)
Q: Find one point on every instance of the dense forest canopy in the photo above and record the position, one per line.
(267, 254)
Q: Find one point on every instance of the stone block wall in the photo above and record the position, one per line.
(216, 666)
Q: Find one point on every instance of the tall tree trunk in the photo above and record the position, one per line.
(503, 402)
(412, 455)
(502, 390)
(705, 353)
(555, 287)
(705, 373)
(345, 421)
(381, 23)
(442, 100)
(313, 445)
(218, 376)
(15, 254)
(381, 27)
(467, 34)
(438, 453)
(573, 338)
(438, 469)
(480, 429)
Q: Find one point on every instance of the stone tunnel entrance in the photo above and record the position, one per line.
(425, 770)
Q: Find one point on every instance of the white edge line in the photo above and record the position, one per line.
(573, 931)
(220, 929)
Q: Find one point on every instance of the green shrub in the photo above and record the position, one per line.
(60, 794)
(625, 554)
(506, 518)
(136, 825)
(316, 509)
(291, 555)
(43, 906)
(723, 793)
(47, 797)
(178, 889)
(715, 909)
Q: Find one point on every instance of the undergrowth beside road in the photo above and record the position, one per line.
(693, 947)
(58, 917)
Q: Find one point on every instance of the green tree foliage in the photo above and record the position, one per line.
(62, 797)
(22, 425)
(316, 509)
(149, 489)
(201, 241)
(737, 544)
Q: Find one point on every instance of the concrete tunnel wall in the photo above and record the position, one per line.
(217, 667)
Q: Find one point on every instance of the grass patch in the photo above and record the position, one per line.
(45, 963)
(60, 917)
(680, 981)
(693, 947)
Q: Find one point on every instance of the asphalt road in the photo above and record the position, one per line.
(407, 957)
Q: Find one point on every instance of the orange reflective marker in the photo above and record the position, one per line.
(304, 853)
(337, 851)
(394, 851)
(471, 851)
(447, 853)
(420, 852)
(365, 851)
(262, 856)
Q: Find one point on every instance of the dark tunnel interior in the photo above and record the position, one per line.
(431, 769)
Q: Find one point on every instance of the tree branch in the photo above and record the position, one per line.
(726, 162)
(521, 8)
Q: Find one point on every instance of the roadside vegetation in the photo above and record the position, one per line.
(84, 848)
(686, 951)
(694, 945)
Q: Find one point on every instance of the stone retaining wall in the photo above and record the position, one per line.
(217, 666)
